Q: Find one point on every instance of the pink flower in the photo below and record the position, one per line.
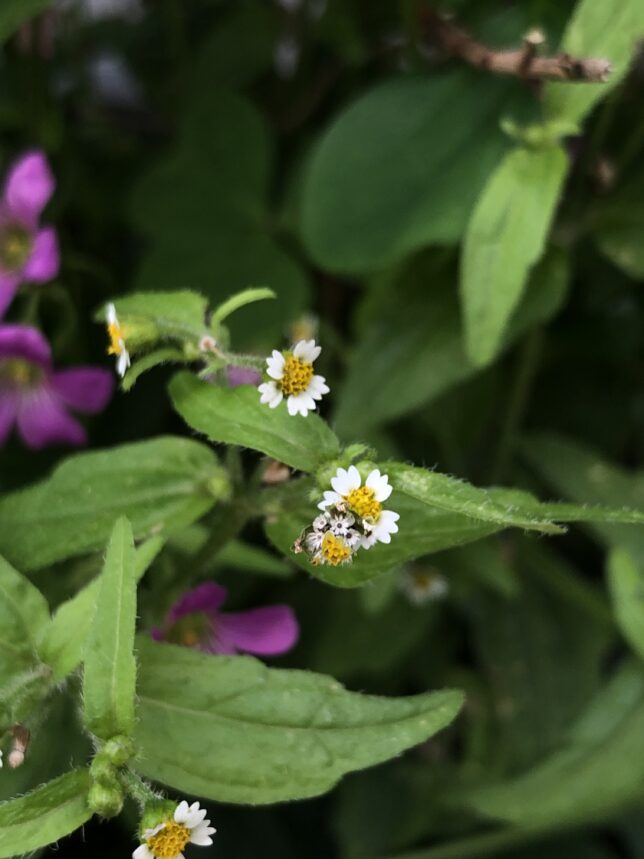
(35, 397)
(243, 376)
(196, 621)
(28, 252)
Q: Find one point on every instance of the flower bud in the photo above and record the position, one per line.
(106, 798)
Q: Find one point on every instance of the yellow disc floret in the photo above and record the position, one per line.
(334, 550)
(297, 376)
(363, 502)
(169, 841)
(115, 333)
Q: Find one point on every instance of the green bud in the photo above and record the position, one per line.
(219, 485)
(326, 472)
(102, 769)
(106, 799)
(118, 750)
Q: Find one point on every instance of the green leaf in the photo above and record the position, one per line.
(180, 315)
(231, 729)
(13, 13)
(160, 485)
(504, 239)
(24, 613)
(109, 680)
(580, 473)
(236, 416)
(410, 350)
(45, 815)
(598, 771)
(626, 583)
(618, 225)
(385, 181)
(63, 639)
(204, 212)
(609, 30)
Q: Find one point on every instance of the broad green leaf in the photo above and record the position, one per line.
(580, 473)
(236, 416)
(63, 639)
(437, 512)
(179, 315)
(204, 212)
(618, 225)
(384, 181)
(626, 583)
(410, 350)
(23, 615)
(13, 13)
(109, 678)
(505, 237)
(599, 770)
(160, 485)
(609, 30)
(45, 815)
(231, 729)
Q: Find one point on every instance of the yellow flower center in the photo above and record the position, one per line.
(363, 502)
(334, 550)
(19, 372)
(297, 376)
(115, 333)
(15, 247)
(169, 841)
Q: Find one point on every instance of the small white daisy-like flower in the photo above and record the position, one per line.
(0, 759)
(365, 501)
(117, 341)
(292, 377)
(188, 825)
(421, 586)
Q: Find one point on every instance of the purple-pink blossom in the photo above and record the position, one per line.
(243, 376)
(196, 621)
(35, 398)
(28, 252)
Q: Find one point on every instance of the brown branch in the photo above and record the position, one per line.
(523, 62)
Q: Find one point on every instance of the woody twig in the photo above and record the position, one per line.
(524, 62)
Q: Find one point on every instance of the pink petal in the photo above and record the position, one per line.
(9, 284)
(85, 389)
(206, 598)
(22, 341)
(28, 187)
(42, 420)
(44, 260)
(265, 631)
(8, 410)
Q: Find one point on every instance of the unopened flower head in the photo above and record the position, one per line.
(365, 502)
(117, 341)
(423, 585)
(332, 538)
(167, 840)
(291, 376)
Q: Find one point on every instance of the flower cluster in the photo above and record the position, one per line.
(291, 376)
(169, 838)
(352, 518)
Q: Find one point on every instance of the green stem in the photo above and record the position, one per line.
(139, 790)
(524, 376)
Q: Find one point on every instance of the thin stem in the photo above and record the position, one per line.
(524, 377)
(139, 790)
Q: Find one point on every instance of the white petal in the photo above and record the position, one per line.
(380, 485)
(329, 499)
(318, 383)
(148, 833)
(200, 835)
(181, 812)
(111, 315)
(143, 852)
(306, 350)
(196, 816)
(292, 406)
(341, 482)
(354, 478)
(275, 365)
(123, 360)
(270, 394)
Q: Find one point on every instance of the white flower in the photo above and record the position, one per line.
(188, 825)
(117, 341)
(365, 501)
(421, 586)
(292, 377)
(0, 759)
